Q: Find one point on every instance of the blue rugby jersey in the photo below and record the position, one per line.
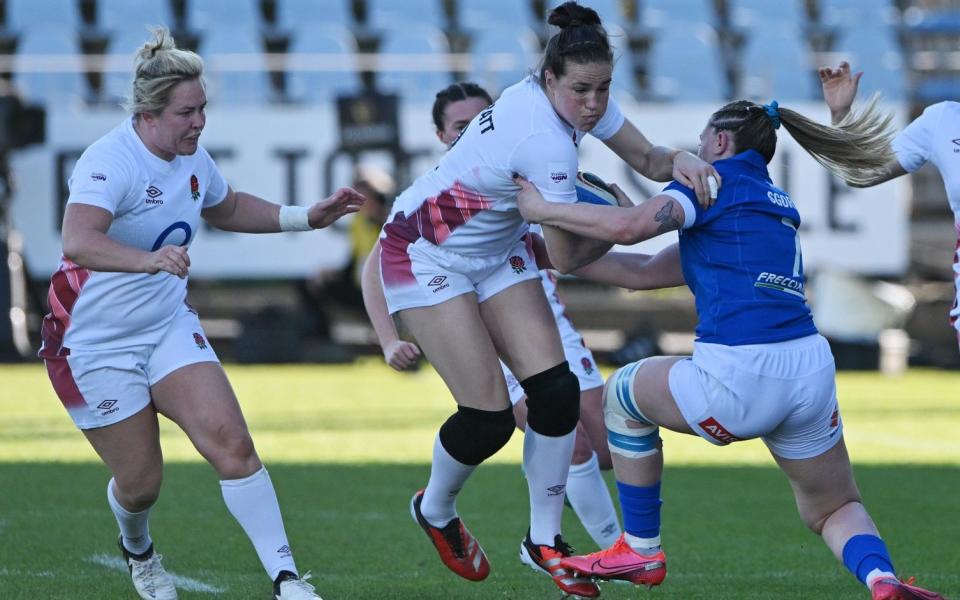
(741, 258)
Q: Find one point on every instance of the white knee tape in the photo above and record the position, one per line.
(641, 437)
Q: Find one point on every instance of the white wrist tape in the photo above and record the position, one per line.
(294, 218)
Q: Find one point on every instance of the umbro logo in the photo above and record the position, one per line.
(956, 142)
(284, 551)
(556, 490)
(438, 283)
(153, 195)
(108, 407)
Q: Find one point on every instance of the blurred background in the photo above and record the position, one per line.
(309, 95)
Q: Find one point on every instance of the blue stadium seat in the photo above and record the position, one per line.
(685, 64)
(485, 15)
(777, 65)
(292, 14)
(751, 14)
(858, 13)
(398, 14)
(26, 14)
(119, 15)
(232, 87)
(123, 46)
(876, 52)
(210, 14)
(516, 44)
(428, 42)
(59, 88)
(623, 78)
(323, 86)
(657, 13)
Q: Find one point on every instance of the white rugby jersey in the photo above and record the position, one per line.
(154, 203)
(467, 203)
(935, 136)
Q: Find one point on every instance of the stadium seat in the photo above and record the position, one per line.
(751, 14)
(27, 14)
(657, 13)
(55, 88)
(426, 42)
(323, 86)
(777, 64)
(485, 15)
(685, 65)
(209, 14)
(293, 14)
(876, 52)
(399, 14)
(623, 78)
(122, 48)
(516, 45)
(223, 49)
(858, 13)
(119, 15)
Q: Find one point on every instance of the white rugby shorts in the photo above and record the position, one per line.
(422, 274)
(103, 387)
(784, 393)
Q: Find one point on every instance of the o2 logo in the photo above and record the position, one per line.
(178, 226)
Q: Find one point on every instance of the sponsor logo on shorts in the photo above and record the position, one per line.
(194, 188)
(98, 177)
(587, 365)
(438, 283)
(108, 407)
(199, 341)
(517, 264)
(717, 431)
(556, 490)
(558, 176)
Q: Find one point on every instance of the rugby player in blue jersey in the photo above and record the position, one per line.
(759, 367)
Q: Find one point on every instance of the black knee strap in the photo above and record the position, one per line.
(471, 435)
(553, 401)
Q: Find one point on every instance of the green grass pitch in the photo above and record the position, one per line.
(347, 446)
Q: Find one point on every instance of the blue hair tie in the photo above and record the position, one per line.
(773, 113)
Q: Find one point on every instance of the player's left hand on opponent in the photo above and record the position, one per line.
(694, 173)
(529, 200)
(342, 202)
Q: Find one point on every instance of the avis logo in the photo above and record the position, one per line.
(558, 176)
(717, 431)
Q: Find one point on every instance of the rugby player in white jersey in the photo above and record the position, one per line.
(121, 344)
(457, 269)
(455, 106)
(931, 137)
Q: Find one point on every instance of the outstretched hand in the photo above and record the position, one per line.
(530, 201)
(839, 88)
(695, 173)
(342, 202)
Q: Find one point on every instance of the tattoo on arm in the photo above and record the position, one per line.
(667, 218)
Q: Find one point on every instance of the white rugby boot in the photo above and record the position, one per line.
(290, 587)
(149, 578)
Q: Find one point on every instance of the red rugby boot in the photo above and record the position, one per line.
(890, 588)
(621, 562)
(546, 559)
(457, 548)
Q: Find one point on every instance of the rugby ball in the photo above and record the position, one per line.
(593, 190)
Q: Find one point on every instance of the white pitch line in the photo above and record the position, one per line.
(184, 583)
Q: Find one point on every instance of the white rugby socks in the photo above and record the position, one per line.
(134, 527)
(253, 503)
(447, 476)
(590, 498)
(546, 461)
